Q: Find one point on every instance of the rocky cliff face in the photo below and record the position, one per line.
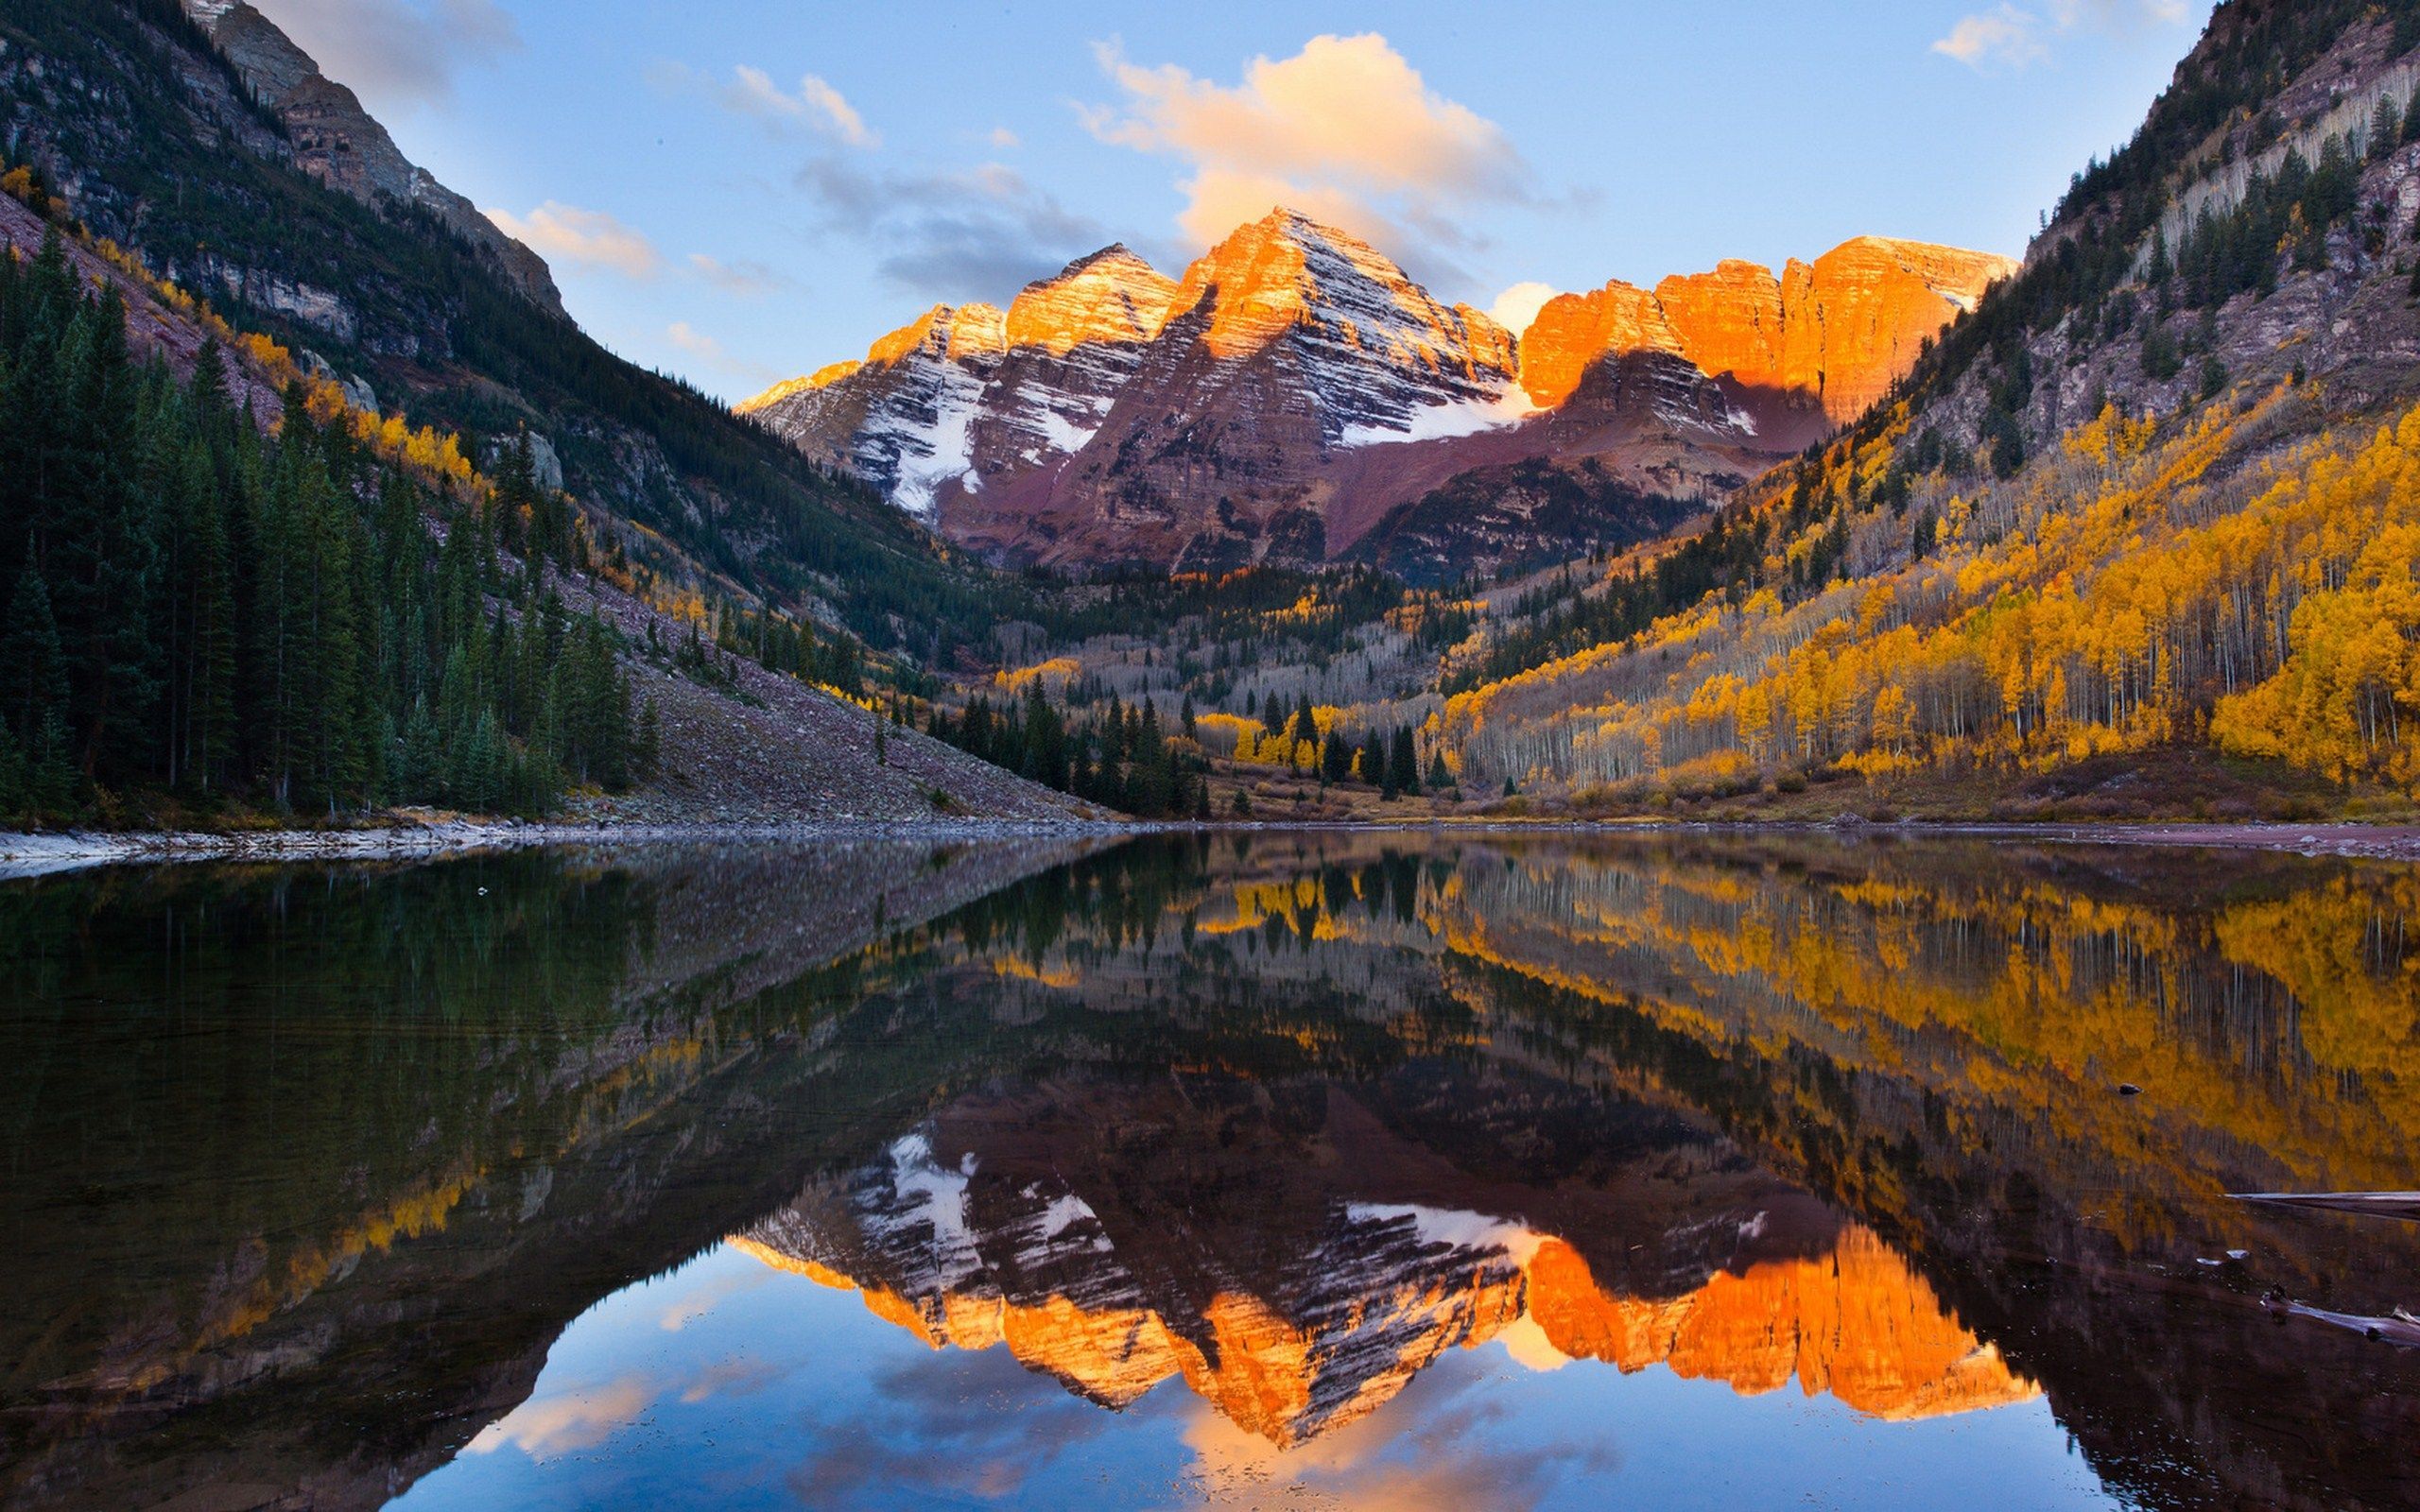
(1294, 391)
(968, 392)
(339, 143)
(1832, 335)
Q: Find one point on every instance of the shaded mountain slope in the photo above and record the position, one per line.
(159, 141)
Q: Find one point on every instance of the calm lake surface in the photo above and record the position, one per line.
(1372, 1170)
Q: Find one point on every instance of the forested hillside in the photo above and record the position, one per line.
(242, 583)
(2151, 505)
(194, 607)
(152, 139)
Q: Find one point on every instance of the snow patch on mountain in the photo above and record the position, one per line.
(1458, 416)
(932, 1198)
(931, 454)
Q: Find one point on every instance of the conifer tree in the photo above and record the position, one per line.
(1403, 763)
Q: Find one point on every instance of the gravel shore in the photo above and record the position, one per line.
(33, 854)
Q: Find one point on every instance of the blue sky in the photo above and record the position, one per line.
(738, 192)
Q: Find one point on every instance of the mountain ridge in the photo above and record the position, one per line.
(1215, 419)
(343, 145)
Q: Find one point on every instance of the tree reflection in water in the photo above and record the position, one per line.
(308, 1168)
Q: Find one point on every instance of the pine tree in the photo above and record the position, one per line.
(1046, 739)
(647, 745)
(1403, 764)
(33, 699)
(1336, 758)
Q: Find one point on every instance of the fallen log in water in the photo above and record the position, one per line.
(2405, 1205)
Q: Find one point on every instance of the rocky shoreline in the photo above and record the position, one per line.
(27, 855)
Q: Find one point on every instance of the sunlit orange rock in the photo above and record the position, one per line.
(1731, 321)
(1111, 295)
(823, 377)
(953, 331)
(1838, 331)
(1571, 331)
(1285, 271)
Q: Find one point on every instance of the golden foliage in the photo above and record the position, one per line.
(2128, 596)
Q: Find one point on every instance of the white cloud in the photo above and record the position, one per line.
(714, 355)
(546, 1427)
(1519, 305)
(745, 280)
(1003, 138)
(2014, 37)
(1345, 129)
(2007, 35)
(587, 238)
(817, 104)
(843, 116)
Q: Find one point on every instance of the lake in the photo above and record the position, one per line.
(1321, 1169)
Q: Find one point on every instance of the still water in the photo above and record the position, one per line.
(1320, 1170)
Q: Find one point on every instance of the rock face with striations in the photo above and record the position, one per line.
(1295, 391)
(966, 392)
(1833, 334)
(339, 143)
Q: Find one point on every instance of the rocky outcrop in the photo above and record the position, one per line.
(1375, 352)
(1295, 390)
(1834, 334)
(339, 143)
(1113, 297)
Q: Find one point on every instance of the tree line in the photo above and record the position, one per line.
(195, 607)
(1120, 756)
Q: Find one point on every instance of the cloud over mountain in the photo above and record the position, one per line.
(587, 238)
(940, 232)
(1345, 129)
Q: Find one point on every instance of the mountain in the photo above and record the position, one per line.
(2133, 536)
(540, 579)
(1295, 388)
(1830, 336)
(339, 143)
(206, 144)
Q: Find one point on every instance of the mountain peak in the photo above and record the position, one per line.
(1287, 220)
(1287, 270)
(953, 330)
(1115, 253)
(1110, 295)
(340, 145)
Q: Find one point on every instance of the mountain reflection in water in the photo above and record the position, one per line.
(581, 1178)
